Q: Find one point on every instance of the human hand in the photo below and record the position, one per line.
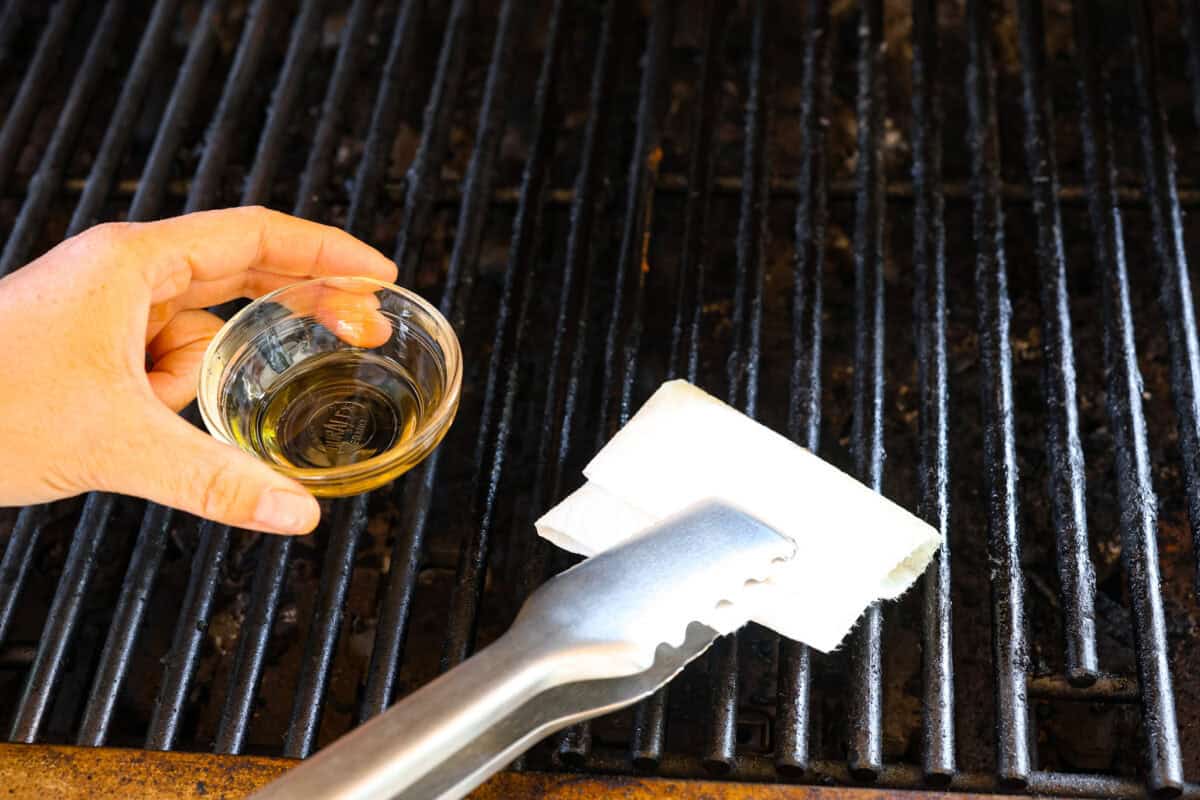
(81, 411)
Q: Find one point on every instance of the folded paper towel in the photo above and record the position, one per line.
(853, 546)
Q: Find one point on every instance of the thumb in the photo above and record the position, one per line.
(171, 462)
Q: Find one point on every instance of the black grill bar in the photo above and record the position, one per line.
(37, 78)
(62, 619)
(865, 755)
(124, 116)
(649, 733)
(270, 144)
(1139, 546)
(385, 116)
(422, 178)
(350, 520)
(742, 364)
(929, 313)
(572, 299)
(473, 559)
(1064, 453)
(744, 360)
(48, 178)
(219, 138)
(14, 567)
(525, 244)
(721, 749)
(494, 424)
(1010, 653)
(574, 294)
(639, 208)
(316, 169)
(526, 240)
(179, 665)
(152, 186)
(1135, 488)
(125, 625)
(694, 261)
(580, 258)
(477, 186)
(395, 604)
(794, 723)
(469, 233)
(269, 578)
(644, 163)
(578, 268)
(648, 736)
(1175, 292)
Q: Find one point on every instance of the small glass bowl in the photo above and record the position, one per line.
(340, 383)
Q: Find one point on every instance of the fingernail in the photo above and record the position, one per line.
(285, 511)
(350, 332)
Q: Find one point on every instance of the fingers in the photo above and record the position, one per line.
(205, 294)
(211, 257)
(348, 309)
(176, 353)
(168, 461)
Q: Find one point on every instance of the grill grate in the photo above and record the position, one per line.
(737, 214)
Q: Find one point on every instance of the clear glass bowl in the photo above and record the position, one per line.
(340, 383)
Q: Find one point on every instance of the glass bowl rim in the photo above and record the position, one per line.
(427, 436)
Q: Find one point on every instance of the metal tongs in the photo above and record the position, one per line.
(598, 637)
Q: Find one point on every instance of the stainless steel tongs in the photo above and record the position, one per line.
(593, 639)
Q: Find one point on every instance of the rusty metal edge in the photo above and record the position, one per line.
(37, 772)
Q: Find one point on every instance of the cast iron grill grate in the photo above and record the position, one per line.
(953, 234)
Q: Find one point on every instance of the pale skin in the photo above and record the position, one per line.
(80, 409)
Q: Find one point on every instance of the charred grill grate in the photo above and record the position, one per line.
(953, 234)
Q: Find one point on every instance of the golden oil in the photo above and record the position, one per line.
(330, 410)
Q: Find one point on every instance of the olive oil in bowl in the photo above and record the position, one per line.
(332, 410)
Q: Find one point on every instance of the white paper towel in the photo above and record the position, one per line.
(853, 545)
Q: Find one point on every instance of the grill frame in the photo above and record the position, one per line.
(561, 445)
